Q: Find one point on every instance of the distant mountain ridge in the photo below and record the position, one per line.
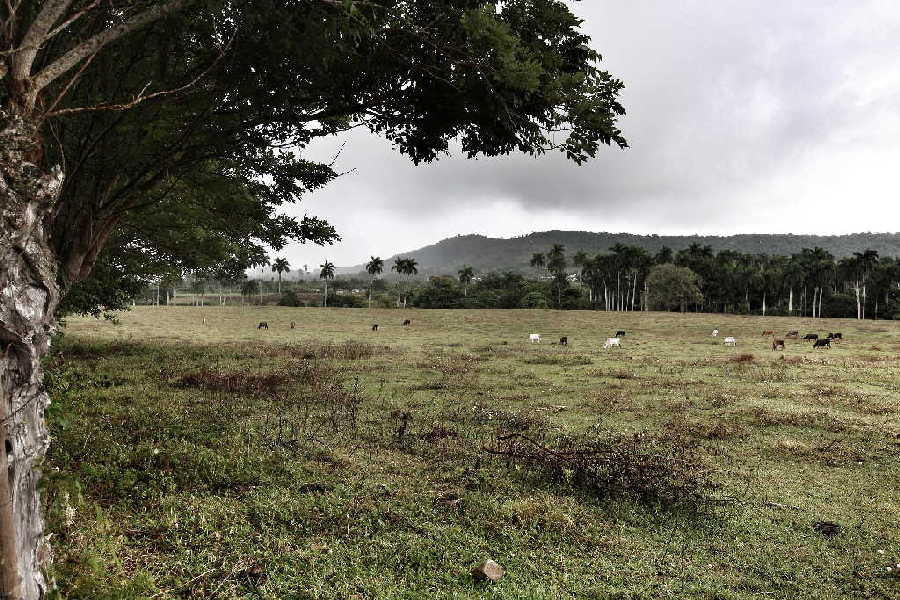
(500, 254)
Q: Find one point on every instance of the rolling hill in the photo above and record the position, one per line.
(498, 254)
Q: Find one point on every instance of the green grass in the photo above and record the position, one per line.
(195, 456)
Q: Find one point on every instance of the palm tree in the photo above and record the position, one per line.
(374, 267)
(280, 266)
(538, 260)
(408, 267)
(326, 273)
(466, 274)
(867, 260)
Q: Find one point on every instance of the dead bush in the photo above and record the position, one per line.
(234, 382)
(662, 469)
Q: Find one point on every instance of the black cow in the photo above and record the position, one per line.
(826, 343)
(293, 325)
(262, 325)
(619, 333)
(811, 336)
(835, 336)
(375, 327)
(564, 341)
(407, 322)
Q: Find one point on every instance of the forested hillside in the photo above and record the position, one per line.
(496, 254)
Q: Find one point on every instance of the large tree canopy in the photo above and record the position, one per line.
(197, 176)
(143, 137)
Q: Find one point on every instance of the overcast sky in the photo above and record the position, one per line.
(743, 116)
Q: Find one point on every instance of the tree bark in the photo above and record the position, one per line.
(29, 296)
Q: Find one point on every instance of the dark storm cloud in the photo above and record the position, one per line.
(742, 116)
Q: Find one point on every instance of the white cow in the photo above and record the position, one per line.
(715, 333)
(730, 341)
(534, 337)
(610, 342)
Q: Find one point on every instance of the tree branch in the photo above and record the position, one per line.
(98, 41)
(50, 13)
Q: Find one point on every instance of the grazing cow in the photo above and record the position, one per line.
(730, 341)
(407, 322)
(715, 333)
(811, 336)
(835, 336)
(768, 332)
(564, 341)
(612, 342)
(620, 333)
(263, 325)
(534, 337)
(375, 327)
(293, 325)
(826, 343)
(793, 335)
(776, 343)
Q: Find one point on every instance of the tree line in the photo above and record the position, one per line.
(811, 283)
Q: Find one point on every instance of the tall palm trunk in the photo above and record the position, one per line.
(618, 293)
(864, 301)
(325, 301)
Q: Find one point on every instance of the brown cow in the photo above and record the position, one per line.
(768, 332)
(793, 335)
(776, 343)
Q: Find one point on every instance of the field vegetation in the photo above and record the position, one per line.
(196, 456)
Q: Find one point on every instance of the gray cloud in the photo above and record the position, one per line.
(742, 116)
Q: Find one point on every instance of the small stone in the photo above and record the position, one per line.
(488, 571)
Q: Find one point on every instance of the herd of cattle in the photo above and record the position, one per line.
(778, 343)
(616, 341)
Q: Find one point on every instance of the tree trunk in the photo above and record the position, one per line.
(791, 303)
(29, 295)
(633, 291)
(864, 301)
(618, 303)
(858, 307)
(325, 300)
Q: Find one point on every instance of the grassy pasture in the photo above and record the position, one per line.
(195, 456)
